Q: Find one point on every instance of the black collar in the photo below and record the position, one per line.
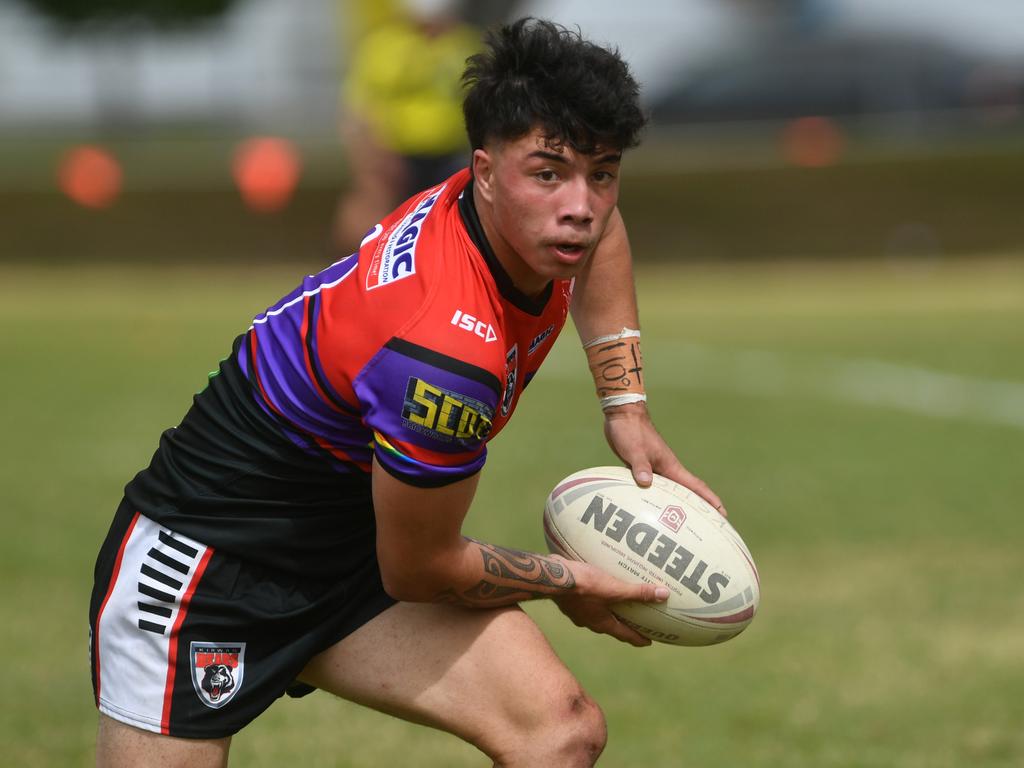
(532, 306)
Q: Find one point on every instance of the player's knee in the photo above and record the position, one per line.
(567, 729)
(588, 733)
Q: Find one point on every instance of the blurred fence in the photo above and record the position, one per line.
(716, 194)
(746, 198)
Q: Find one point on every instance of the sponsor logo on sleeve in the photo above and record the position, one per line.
(511, 373)
(444, 415)
(217, 671)
(395, 258)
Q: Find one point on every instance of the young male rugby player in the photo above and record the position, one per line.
(301, 527)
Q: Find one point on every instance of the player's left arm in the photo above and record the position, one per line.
(603, 305)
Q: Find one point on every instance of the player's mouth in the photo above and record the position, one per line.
(569, 252)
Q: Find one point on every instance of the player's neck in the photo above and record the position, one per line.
(523, 278)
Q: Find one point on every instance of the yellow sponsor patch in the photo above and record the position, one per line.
(445, 415)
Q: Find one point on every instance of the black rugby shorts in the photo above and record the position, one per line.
(191, 642)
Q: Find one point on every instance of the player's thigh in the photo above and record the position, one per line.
(488, 676)
(122, 746)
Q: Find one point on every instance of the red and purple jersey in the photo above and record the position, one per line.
(415, 349)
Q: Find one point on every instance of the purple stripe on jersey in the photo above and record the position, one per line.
(425, 406)
(285, 380)
(281, 362)
(242, 357)
(313, 356)
(359, 455)
(328, 278)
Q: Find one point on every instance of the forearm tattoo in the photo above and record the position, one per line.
(617, 367)
(511, 576)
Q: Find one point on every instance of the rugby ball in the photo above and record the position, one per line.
(664, 535)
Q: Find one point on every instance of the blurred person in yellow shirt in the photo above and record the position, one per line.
(402, 120)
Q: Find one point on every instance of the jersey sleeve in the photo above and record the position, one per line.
(430, 414)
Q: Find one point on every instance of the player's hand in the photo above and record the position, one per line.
(632, 436)
(588, 603)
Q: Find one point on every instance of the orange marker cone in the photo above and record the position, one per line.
(90, 176)
(266, 171)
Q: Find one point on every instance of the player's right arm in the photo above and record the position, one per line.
(424, 557)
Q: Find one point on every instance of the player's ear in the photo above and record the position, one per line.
(483, 173)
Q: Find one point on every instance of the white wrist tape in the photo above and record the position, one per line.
(625, 333)
(614, 400)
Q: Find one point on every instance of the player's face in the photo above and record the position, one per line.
(544, 207)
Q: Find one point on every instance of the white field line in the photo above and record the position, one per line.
(857, 381)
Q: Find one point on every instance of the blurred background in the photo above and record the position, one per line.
(800, 127)
(826, 216)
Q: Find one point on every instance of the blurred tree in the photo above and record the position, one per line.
(159, 12)
(115, 29)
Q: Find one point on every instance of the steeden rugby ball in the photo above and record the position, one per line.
(665, 535)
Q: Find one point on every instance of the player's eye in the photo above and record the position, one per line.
(603, 177)
(546, 175)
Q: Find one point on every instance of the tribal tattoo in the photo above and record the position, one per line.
(512, 576)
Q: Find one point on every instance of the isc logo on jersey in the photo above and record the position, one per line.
(395, 258)
(469, 323)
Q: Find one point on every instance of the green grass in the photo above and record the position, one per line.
(892, 622)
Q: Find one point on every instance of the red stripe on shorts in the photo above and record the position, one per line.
(172, 651)
(103, 605)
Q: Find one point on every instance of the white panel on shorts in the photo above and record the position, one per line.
(136, 623)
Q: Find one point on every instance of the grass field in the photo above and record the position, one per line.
(864, 424)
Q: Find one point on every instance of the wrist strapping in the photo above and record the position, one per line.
(617, 367)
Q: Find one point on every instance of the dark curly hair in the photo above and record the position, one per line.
(538, 74)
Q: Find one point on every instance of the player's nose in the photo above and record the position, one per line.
(576, 206)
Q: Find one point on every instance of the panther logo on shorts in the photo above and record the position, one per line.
(217, 681)
(217, 671)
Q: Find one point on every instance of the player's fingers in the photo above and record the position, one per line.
(635, 457)
(650, 593)
(620, 631)
(618, 591)
(631, 636)
(594, 583)
(643, 474)
(675, 471)
(688, 479)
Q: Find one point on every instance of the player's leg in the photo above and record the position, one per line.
(489, 677)
(145, 579)
(189, 645)
(122, 746)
